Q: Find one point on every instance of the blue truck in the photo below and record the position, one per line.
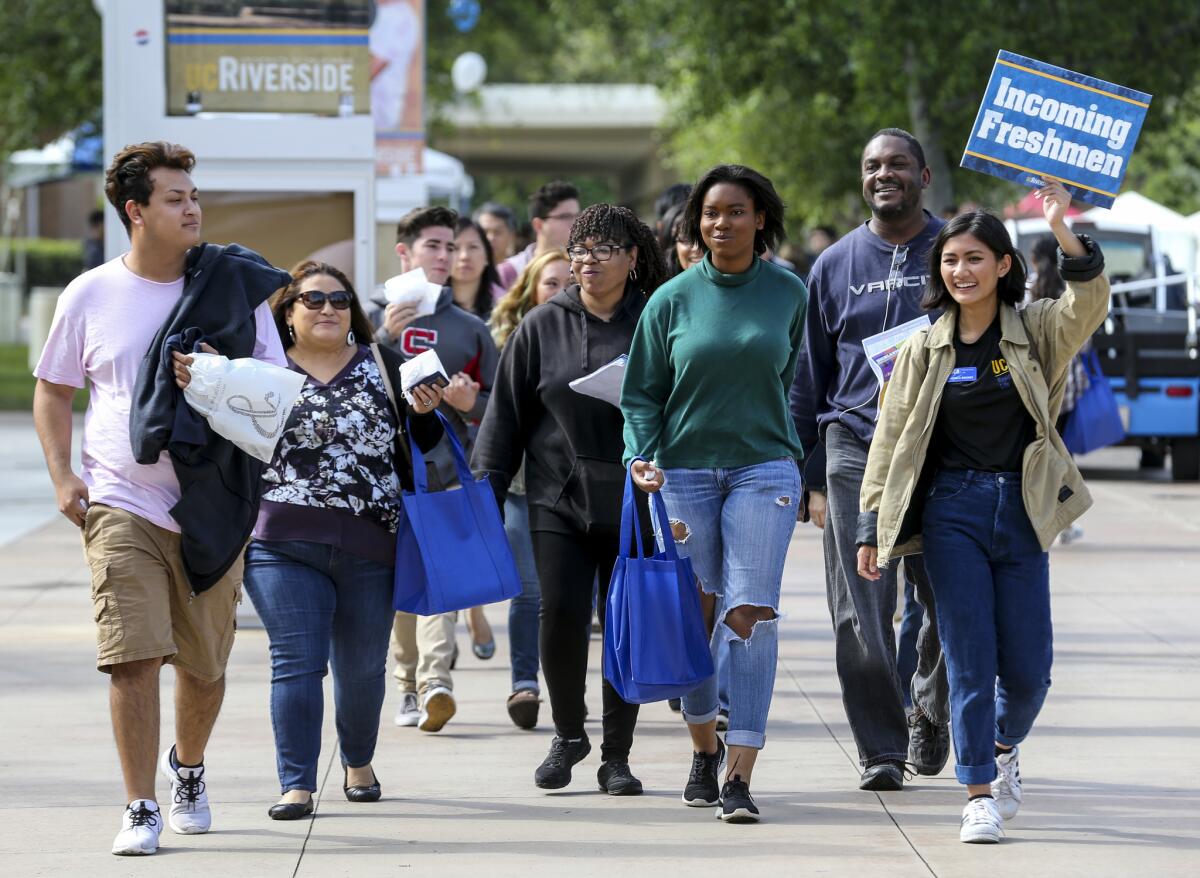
(1148, 345)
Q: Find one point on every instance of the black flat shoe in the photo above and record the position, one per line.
(368, 793)
(290, 810)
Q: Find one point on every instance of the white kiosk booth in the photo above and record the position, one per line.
(286, 184)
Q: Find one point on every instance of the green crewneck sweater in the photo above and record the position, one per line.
(713, 358)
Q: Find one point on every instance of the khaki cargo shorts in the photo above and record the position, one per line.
(142, 601)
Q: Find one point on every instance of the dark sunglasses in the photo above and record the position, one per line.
(314, 300)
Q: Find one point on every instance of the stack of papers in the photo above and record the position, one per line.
(413, 287)
(605, 382)
(883, 348)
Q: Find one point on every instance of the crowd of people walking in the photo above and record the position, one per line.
(749, 403)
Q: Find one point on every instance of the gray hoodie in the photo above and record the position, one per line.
(463, 344)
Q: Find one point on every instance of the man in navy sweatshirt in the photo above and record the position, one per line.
(870, 280)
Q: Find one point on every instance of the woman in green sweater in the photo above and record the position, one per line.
(706, 397)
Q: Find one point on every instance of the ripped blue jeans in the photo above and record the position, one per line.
(736, 525)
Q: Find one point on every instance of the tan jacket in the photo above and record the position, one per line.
(1052, 488)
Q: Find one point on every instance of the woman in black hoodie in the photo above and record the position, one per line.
(574, 480)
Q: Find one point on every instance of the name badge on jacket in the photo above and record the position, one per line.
(962, 375)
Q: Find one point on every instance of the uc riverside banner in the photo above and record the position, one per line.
(1040, 119)
(229, 56)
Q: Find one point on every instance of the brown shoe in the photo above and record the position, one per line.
(523, 708)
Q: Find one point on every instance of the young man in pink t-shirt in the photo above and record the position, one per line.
(144, 609)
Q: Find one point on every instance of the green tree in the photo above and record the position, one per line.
(1166, 166)
(50, 70)
(795, 87)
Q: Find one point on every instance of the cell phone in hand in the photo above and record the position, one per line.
(436, 380)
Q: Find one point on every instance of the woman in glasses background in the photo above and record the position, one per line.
(320, 566)
(574, 480)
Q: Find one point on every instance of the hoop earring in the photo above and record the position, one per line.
(292, 331)
(633, 273)
(350, 338)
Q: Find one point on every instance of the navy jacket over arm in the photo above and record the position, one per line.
(220, 485)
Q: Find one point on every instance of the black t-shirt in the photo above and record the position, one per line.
(982, 423)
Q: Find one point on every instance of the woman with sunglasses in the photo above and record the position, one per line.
(571, 446)
(320, 566)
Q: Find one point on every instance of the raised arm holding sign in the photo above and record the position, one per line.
(1038, 121)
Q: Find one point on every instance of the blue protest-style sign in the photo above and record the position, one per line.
(1037, 119)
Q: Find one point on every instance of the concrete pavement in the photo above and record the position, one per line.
(1110, 772)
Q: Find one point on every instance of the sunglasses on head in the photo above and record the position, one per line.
(314, 300)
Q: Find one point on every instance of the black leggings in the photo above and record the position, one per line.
(567, 565)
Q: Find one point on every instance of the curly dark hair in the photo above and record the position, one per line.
(284, 298)
(762, 193)
(610, 222)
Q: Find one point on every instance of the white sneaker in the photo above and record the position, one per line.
(189, 814)
(140, 828)
(409, 713)
(1072, 534)
(436, 709)
(981, 823)
(1006, 788)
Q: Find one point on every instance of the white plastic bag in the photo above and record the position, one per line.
(247, 401)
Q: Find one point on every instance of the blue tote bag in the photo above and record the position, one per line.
(655, 643)
(1095, 422)
(451, 551)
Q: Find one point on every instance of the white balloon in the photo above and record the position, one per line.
(468, 72)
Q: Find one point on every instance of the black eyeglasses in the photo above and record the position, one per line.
(601, 252)
(314, 300)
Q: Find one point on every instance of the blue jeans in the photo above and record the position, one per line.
(524, 608)
(991, 582)
(739, 525)
(906, 646)
(721, 660)
(321, 606)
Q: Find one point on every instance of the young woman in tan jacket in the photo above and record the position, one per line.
(967, 466)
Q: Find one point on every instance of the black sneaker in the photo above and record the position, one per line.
(704, 781)
(928, 744)
(616, 779)
(883, 777)
(737, 806)
(555, 771)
